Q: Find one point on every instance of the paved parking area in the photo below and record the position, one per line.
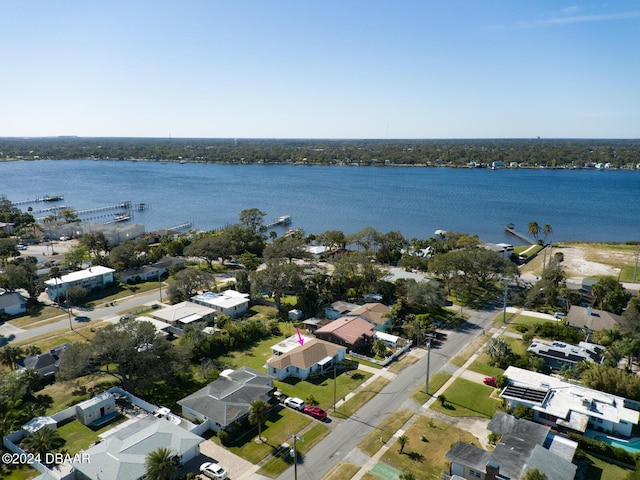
(235, 466)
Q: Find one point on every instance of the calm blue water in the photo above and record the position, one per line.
(579, 204)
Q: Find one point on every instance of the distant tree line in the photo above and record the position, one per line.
(527, 152)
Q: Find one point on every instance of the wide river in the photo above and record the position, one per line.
(583, 205)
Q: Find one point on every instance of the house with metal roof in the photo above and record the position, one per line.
(121, 455)
(229, 302)
(523, 445)
(228, 398)
(184, 313)
(566, 406)
(313, 356)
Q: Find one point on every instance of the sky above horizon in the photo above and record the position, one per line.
(332, 69)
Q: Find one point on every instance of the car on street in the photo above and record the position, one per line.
(21, 247)
(560, 315)
(491, 381)
(294, 402)
(315, 412)
(213, 470)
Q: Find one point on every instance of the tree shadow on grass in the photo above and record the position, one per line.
(416, 456)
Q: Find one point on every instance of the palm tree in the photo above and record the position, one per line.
(160, 465)
(258, 415)
(31, 379)
(534, 229)
(43, 441)
(407, 476)
(402, 440)
(546, 231)
(32, 350)
(9, 355)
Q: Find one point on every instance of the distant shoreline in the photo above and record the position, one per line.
(278, 164)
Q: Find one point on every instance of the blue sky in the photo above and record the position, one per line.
(320, 69)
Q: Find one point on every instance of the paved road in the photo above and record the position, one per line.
(13, 334)
(341, 443)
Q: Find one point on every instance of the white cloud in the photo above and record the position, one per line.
(570, 18)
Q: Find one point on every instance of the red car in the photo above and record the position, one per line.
(315, 412)
(491, 381)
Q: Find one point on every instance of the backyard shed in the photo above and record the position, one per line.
(96, 408)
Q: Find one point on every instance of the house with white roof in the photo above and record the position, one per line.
(566, 406)
(184, 313)
(229, 302)
(90, 279)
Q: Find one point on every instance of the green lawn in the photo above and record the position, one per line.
(481, 365)
(79, 437)
(472, 348)
(354, 404)
(600, 470)
(435, 383)
(426, 458)
(281, 422)
(467, 399)
(384, 431)
(342, 471)
(277, 464)
(18, 472)
(525, 320)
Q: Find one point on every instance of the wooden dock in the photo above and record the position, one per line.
(510, 228)
(280, 221)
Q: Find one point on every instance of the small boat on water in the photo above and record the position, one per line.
(509, 227)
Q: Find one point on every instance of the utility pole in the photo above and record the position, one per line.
(294, 454)
(335, 370)
(160, 286)
(635, 268)
(504, 303)
(429, 337)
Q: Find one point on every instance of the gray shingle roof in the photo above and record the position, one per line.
(228, 398)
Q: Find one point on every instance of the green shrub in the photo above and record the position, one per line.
(225, 438)
(600, 448)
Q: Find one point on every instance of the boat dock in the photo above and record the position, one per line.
(126, 205)
(280, 221)
(182, 226)
(46, 198)
(510, 228)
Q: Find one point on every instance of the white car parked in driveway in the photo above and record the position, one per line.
(294, 402)
(213, 470)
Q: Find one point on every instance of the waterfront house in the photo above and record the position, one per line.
(227, 399)
(12, 303)
(313, 356)
(355, 333)
(523, 445)
(568, 407)
(229, 302)
(92, 278)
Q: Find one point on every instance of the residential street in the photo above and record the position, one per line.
(341, 443)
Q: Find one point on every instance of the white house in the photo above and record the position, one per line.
(567, 406)
(229, 302)
(91, 411)
(90, 279)
(184, 313)
(314, 356)
(12, 304)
